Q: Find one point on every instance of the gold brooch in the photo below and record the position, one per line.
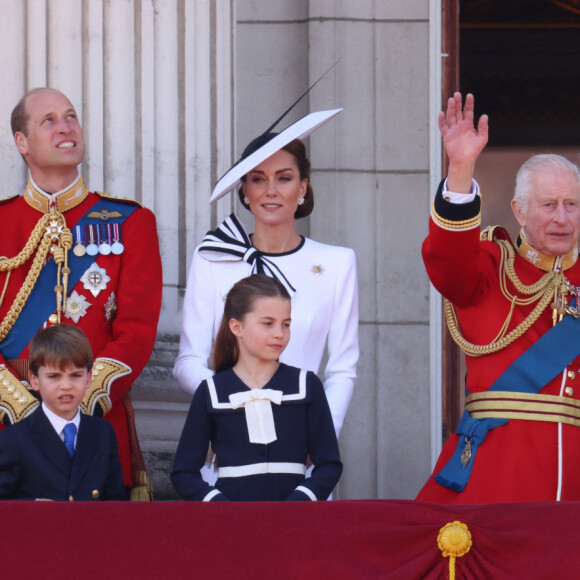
(317, 270)
(111, 307)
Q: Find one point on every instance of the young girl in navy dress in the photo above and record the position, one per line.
(263, 418)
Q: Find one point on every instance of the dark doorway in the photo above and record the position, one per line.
(521, 59)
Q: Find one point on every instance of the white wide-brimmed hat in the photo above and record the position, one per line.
(266, 145)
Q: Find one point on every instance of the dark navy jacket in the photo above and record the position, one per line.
(304, 429)
(34, 462)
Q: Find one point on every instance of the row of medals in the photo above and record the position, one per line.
(109, 245)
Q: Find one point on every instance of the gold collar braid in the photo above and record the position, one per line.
(50, 235)
(544, 261)
(65, 200)
(550, 290)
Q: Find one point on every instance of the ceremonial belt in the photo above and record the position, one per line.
(260, 468)
(524, 406)
(38, 308)
(230, 241)
(529, 373)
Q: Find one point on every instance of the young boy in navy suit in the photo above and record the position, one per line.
(58, 452)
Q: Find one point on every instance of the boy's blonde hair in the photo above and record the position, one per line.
(62, 346)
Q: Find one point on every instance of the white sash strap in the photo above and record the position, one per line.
(257, 405)
(259, 468)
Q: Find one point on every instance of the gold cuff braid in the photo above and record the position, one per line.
(105, 371)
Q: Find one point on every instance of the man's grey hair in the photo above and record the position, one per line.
(537, 163)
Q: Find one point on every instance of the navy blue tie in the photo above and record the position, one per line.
(70, 432)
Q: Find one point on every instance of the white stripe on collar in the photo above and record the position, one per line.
(301, 394)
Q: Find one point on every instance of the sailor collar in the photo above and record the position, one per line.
(234, 385)
(63, 200)
(544, 261)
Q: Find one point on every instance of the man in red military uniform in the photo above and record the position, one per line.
(71, 256)
(513, 309)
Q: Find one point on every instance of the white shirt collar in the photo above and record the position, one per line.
(58, 422)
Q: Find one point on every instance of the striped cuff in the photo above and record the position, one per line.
(211, 495)
(307, 492)
(453, 216)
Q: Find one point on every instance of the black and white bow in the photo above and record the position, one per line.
(231, 241)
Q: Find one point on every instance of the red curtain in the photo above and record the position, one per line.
(338, 539)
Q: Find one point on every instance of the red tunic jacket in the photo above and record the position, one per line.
(517, 461)
(121, 321)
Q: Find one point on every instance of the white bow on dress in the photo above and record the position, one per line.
(257, 404)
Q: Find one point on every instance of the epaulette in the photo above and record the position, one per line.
(120, 199)
(7, 199)
(494, 234)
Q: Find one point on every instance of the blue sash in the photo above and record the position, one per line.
(40, 304)
(529, 373)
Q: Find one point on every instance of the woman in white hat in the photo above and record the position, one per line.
(274, 174)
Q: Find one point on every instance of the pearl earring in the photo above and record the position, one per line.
(246, 200)
(300, 200)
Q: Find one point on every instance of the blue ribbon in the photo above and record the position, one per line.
(529, 373)
(38, 308)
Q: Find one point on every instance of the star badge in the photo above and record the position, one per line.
(95, 279)
(54, 230)
(76, 306)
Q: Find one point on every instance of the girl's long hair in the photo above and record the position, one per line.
(240, 300)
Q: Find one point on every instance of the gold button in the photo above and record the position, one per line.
(569, 391)
(53, 318)
(71, 498)
(571, 375)
(95, 493)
